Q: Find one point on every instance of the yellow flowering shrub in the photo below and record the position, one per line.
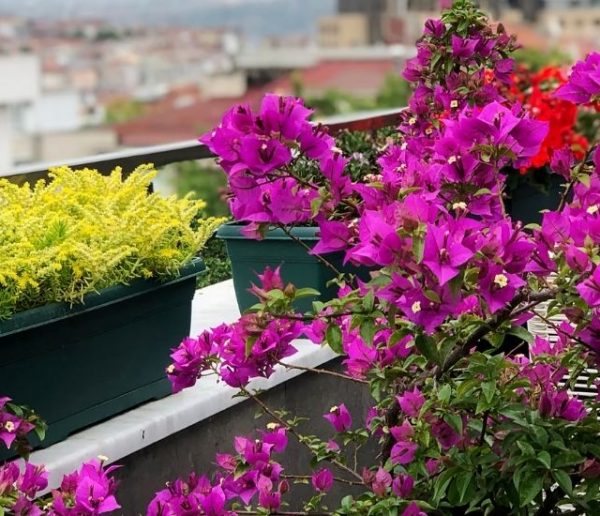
(82, 231)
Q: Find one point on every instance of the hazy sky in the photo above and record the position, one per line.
(259, 17)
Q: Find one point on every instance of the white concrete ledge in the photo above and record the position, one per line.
(151, 422)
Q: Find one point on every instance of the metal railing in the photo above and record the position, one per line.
(161, 155)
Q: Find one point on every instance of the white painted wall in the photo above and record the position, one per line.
(20, 75)
(54, 111)
(20, 86)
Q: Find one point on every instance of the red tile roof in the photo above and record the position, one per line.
(169, 124)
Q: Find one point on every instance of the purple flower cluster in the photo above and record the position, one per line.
(87, 492)
(583, 85)
(459, 63)
(246, 349)
(251, 474)
(12, 426)
(255, 151)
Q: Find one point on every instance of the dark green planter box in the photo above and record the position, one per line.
(527, 201)
(250, 257)
(78, 365)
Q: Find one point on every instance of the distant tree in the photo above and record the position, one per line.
(122, 110)
(393, 93)
(206, 181)
(535, 60)
(107, 34)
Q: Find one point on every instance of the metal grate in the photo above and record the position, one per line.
(540, 328)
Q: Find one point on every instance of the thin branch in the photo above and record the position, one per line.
(293, 431)
(286, 513)
(557, 329)
(323, 371)
(308, 318)
(309, 249)
(580, 165)
(337, 479)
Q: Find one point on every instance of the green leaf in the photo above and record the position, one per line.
(334, 338)
(545, 459)
(368, 330)
(521, 333)
(455, 422)
(488, 389)
(526, 448)
(250, 341)
(444, 393)
(306, 292)
(441, 484)
(369, 301)
(495, 339)
(529, 487)
(567, 458)
(462, 484)
(584, 179)
(563, 480)
(432, 296)
(276, 294)
(426, 346)
(418, 247)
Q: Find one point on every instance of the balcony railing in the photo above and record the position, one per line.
(161, 155)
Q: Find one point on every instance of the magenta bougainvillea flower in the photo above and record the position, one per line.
(411, 402)
(583, 85)
(322, 480)
(339, 417)
(589, 290)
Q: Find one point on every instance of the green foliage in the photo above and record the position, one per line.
(217, 262)
(206, 180)
(535, 60)
(362, 149)
(83, 232)
(334, 102)
(122, 110)
(393, 93)
(203, 179)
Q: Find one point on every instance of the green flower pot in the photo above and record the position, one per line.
(527, 201)
(78, 365)
(250, 257)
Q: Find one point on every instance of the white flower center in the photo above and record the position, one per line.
(592, 209)
(416, 307)
(454, 103)
(451, 159)
(9, 426)
(170, 369)
(501, 280)
(412, 121)
(459, 205)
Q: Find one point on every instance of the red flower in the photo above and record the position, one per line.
(535, 92)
